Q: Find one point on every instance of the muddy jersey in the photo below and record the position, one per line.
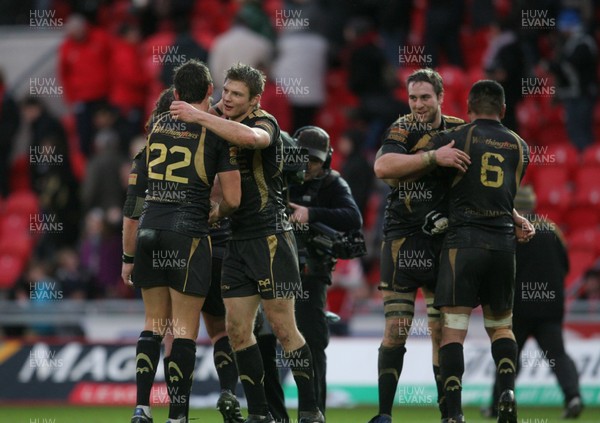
(481, 200)
(262, 208)
(409, 202)
(182, 160)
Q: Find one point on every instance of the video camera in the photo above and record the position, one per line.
(328, 241)
(294, 158)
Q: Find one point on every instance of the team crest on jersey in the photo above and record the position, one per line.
(264, 284)
(398, 133)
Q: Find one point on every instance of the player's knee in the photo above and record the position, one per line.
(238, 331)
(288, 335)
(395, 334)
(499, 327)
(457, 321)
(435, 331)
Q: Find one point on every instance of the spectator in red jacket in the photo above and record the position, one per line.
(84, 60)
(129, 80)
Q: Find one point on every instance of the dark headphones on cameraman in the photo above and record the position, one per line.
(327, 163)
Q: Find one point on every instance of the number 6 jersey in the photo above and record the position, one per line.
(481, 200)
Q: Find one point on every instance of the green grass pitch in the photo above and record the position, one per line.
(74, 414)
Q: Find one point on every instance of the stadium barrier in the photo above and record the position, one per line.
(104, 374)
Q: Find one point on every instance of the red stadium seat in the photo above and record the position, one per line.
(454, 84)
(553, 134)
(528, 117)
(20, 245)
(587, 239)
(474, 44)
(587, 186)
(562, 154)
(23, 202)
(552, 187)
(11, 266)
(20, 179)
(552, 213)
(581, 217)
(529, 176)
(579, 262)
(14, 224)
(591, 155)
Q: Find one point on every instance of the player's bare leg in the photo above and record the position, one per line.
(296, 354)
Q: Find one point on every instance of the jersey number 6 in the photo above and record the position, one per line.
(486, 167)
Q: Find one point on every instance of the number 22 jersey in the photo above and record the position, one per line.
(182, 160)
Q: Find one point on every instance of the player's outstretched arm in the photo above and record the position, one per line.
(231, 131)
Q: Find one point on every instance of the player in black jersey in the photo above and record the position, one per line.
(477, 263)
(261, 262)
(173, 251)
(408, 254)
(213, 309)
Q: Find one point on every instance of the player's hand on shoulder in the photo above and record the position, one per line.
(448, 156)
(180, 110)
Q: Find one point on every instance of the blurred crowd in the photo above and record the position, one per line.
(338, 64)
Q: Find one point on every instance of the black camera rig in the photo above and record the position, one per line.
(327, 241)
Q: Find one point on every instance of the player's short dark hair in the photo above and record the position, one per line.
(191, 80)
(162, 105)
(486, 97)
(427, 75)
(253, 78)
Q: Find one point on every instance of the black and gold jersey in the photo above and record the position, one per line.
(262, 209)
(182, 160)
(220, 232)
(481, 200)
(409, 202)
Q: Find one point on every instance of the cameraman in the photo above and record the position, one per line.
(324, 198)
